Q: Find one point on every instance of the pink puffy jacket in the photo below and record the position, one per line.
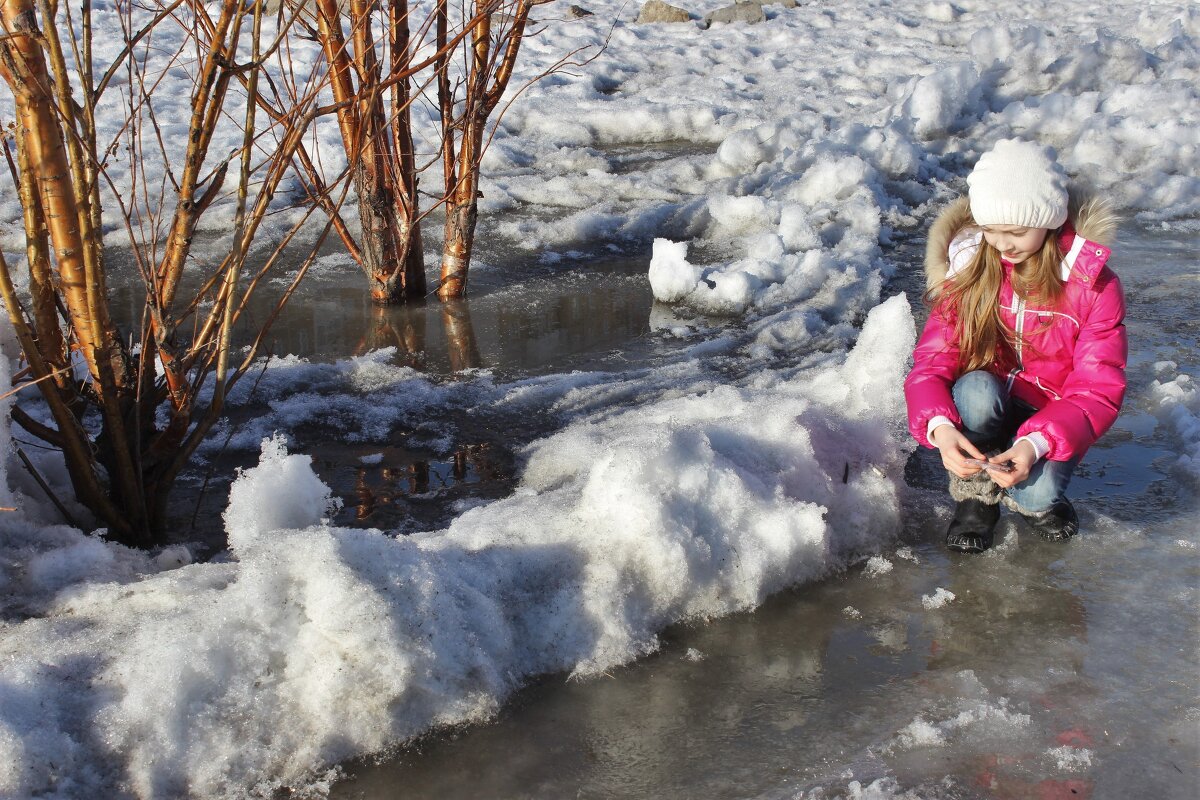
(1072, 367)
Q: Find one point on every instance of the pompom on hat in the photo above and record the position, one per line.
(1018, 183)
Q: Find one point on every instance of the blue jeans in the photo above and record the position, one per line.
(990, 420)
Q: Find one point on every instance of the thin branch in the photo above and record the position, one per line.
(46, 488)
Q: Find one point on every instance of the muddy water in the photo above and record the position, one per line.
(1058, 671)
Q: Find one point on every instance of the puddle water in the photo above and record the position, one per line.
(1056, 671)
(524, 316)
(520, 318)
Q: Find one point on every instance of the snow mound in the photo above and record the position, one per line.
(298, 498)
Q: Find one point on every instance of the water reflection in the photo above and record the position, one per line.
(406, 328)
(400, 327)
(721, 709)
(521, 318)
(387, 489)
(460, 335)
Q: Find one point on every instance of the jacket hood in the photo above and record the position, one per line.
(1091, 217)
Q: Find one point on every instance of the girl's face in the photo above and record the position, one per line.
(1015, 243)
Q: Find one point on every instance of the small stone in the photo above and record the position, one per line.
(658, 11)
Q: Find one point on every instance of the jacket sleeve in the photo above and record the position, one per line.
(927, 389)
(1095, 388)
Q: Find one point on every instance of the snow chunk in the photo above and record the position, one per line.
(1070, 759)
(281, 493)
(919, 733)
(54, 569)
(1178, 402)
(672, 278)
(942, 12)
(938, 599)
(739, 214)
(933, 103)
(877, 565)
(966, 713)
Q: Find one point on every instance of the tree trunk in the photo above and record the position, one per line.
(461, 216)
(390, 250)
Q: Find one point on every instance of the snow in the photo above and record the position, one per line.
(1178, 403)
(667, 495)
(299, 498)
(938, 599)
(318, 642)
(878, 565)
(974, 713)
(1070, 759)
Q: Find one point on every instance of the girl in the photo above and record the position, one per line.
(1021, 366)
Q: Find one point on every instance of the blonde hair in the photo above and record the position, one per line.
(970, 300)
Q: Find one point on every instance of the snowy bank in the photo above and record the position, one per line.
(317, 643)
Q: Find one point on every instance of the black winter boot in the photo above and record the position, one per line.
(1056, 525)
(971, 529)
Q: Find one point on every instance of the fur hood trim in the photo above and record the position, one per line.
(1092, 217)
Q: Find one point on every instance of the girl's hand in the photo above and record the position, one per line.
(955, 447)
(1021, 457)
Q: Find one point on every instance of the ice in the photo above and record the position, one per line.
(974, 714)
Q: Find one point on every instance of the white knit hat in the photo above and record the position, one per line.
(1018, 183)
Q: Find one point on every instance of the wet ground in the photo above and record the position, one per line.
(1054, 671)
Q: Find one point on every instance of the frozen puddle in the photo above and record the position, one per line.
(1038, 670)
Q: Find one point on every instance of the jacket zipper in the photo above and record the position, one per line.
(1020, 330)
